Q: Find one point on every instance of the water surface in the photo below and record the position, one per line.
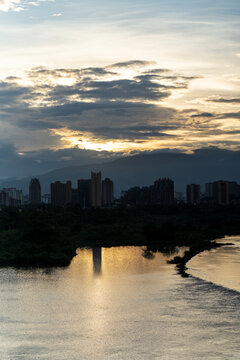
(115, 304)
(220, 266)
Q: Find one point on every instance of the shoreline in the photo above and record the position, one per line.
(49, 237)
(181, 262)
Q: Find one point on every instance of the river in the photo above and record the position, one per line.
(116, 304)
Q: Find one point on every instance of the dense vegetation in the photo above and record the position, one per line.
(48, 236)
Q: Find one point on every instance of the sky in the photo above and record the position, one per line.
(87, 81)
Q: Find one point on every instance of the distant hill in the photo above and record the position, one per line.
(202, 166)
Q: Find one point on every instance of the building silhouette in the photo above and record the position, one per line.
(233, 190)
(4, 198)
(209, 190)
(107, 192)
(68, 192)
(75, 196)
(220, 192)
(133, 196)
(35, 192)
(163, 191)
(223, 192)
(84, 192)
(96, 189)
(193, 194)
(15, 196)
(61, 194)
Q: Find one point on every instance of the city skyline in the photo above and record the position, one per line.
(120, 179)
(97, 192)
(86, 82)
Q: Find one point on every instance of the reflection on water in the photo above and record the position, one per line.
(220, 266)
(119, 260)
(136, 308)
(97, 260)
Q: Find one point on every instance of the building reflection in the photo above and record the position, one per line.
(97, 260)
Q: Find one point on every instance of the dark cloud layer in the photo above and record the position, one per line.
(120, 102)
(96, 98)
(225, 100)
(132, 63)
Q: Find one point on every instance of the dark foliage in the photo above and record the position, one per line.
(48, 236)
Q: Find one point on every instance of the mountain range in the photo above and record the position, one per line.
(201, 166)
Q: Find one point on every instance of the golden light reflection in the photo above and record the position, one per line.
(97, 278)
(108, 261)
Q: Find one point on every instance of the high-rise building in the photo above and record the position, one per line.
(35, 192)
(15, 196)
(84, 192)
(193, 194)
(12, 192)
(209, 190)
(96, 189)
(131, 196)
(220, 192)
(233, 190)
(61, 194)
(68, 192)
(75, 196)
(163, 191)
(107, 192)
(4, 198)
(19, 197)
(58, 194)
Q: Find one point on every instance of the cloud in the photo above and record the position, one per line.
(118, 108)
(230, 115)
(7, 151)
(84, 98)
(6, 5)
(131, 64)
(224, 100)
(202, 115)
(132, 133)
(18, 5)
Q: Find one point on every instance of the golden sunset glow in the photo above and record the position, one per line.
(119, 171)
(124, 80)
(74, 139)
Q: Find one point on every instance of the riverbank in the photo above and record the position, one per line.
(49, 237)
(220, 266)
(181, 262)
